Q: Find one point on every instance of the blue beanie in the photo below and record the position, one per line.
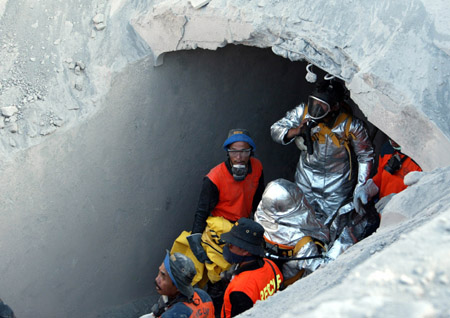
(238, 135)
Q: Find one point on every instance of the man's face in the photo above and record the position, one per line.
(164, 284)
(317, 109)
(237, 250)
(239, 153)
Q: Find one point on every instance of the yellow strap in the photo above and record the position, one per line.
(301, 243)
(318, 243)
(338, 142)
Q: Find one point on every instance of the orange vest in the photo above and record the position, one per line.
(257, 284)
(199, 308)
(393, 183)
(235, 197)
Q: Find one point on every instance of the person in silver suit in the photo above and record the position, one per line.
(335, 161)
(291, 231)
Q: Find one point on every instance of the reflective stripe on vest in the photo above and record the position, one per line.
(235, 197)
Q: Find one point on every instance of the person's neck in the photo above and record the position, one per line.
(172, 297)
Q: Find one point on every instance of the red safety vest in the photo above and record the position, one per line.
(199, 308)
(393, 183)
(257, 284)
(235, 197)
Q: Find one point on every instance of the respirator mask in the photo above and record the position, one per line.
(239, 172)
(393, 164)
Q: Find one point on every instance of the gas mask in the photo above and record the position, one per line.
(233, 258)
(239, 172)
(394, 164)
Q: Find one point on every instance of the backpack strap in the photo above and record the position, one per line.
(274, 274)
(337, 141)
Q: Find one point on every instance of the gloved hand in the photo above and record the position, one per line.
(383, 201)
(195, 243)
(300, 143)
(363, 194)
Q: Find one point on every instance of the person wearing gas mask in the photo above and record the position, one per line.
(335, 161)
(393, 166)
(230, 191)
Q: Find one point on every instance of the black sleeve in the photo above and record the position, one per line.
(259, 192)
(240, 302)
(209, 196)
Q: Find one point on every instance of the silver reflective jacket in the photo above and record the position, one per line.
(287, 217)
(327, 177)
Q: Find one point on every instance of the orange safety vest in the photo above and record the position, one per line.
(393, 183)
(235, 197)
(257, 284)
(199, 308)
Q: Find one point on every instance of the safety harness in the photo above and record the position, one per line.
(324, 130)
(286, 253)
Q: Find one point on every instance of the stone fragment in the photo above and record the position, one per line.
(100, 26)
(48, 131)
(81, 65)
(406, 280)
(8, 111)
(13, 128)
(197, 4)
(99, 18)
(79, 84)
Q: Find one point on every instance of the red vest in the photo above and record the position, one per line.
(199, 308)
(393, 183)
(235, 197)
(257, 284)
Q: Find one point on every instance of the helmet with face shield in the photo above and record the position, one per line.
(324, 97)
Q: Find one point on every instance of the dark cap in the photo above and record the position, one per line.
(246, 234)
(239, 134)
(182, 271)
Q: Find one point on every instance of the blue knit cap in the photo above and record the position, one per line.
(238, 135)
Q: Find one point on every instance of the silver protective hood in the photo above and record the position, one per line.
(287, 217)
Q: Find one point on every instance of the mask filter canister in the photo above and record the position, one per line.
(239, 172)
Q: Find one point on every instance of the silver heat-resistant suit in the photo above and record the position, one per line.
(287, 217)
(328, 177)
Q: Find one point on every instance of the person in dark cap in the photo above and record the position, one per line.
(253, 277)
(335, 161)
(178, 297)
